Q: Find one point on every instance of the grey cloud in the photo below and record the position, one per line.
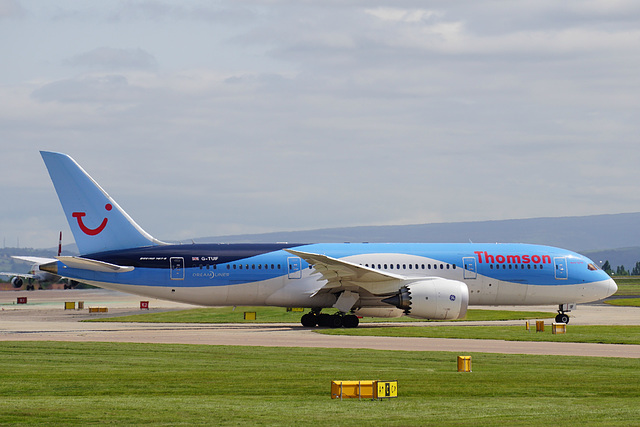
(107, 58)
(481, 29)
(321, 110)
(88, 89)
(494, 18)
(11, 9)
(158, 11)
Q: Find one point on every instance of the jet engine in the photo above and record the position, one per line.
(386, 312)
(16, 282)
(435, 298)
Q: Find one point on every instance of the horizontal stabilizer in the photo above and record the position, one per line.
(33, 259)
(93, 265)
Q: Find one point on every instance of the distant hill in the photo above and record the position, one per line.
(614, 237)
(579, 233)
(628, 257)
(600, 237)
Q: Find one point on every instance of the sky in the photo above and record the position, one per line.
(209, 118)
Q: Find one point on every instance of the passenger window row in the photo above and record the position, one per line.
(411, 266)
(254, 266)
(244, 266)
(515, 266)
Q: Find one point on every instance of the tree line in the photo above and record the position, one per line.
(620, 270)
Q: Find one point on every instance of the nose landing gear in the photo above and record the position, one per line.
(563, 317)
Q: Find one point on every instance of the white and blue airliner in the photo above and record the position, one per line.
(427, 281)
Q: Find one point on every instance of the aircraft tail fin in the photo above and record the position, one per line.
(97, 222)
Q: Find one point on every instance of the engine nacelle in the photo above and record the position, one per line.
(378, 312)
(435, 298)
(16, 282)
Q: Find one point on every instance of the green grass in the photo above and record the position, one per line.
(575, 333)
(97, 383)
(626, 280)
(211, 315)
(477, 315)
(628, 290)
(280, 315)
(629, 302)
(605, 334)
(627, 285)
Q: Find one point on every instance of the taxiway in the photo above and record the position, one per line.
(43, 318)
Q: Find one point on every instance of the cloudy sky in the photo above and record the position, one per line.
(212, 118)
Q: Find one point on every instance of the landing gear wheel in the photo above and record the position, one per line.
(324, 319)
(309, 320)
(562, 318)
(350, 321)
(336, 321)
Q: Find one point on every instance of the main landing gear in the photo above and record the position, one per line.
(338, 320)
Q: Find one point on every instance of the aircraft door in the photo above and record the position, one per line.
(177, 268)
(561, 268)
(294, 264)
(469, 264)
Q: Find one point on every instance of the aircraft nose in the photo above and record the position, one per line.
(613, 287)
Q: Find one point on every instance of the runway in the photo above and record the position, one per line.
(43, 318)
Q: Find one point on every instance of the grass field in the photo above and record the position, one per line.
(280, 315)
(604, 334)
(628, 290)
(629, 302)
(99, 383)
(627, 285)
(577, 333)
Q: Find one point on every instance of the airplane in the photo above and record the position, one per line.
(420, 280)
(43, 278)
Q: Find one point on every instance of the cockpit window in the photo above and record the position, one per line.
(592, 267)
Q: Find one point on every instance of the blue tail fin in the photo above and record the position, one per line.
(97, 222)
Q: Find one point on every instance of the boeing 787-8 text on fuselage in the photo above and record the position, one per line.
(428, 281)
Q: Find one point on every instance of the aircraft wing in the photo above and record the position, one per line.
(31, 259)
(341, 274)
(24, 275)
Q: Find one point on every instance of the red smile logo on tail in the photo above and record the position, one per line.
(91, 231)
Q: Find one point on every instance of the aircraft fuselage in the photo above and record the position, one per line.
(266, 274)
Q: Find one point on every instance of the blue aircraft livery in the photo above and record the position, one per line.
(428, 281)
